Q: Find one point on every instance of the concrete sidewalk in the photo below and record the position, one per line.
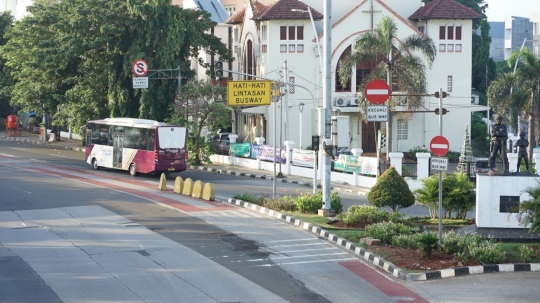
(33, 138)
(76, 145)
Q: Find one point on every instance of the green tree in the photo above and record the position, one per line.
(391, 190)
(202, 109)
(73, 57)
(428, 195)
(395, 58)
(529, 211)
(6, 22)
(479, 131)
(459, 195)
(525, 88)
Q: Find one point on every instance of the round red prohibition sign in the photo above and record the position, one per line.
(140, 68)
(377, 91)
(439, 146)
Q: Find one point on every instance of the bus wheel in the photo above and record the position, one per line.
(94, 164)
(133, 170)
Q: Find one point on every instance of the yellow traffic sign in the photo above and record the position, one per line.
(249, 93)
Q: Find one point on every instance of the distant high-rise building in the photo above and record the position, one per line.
(508, 36)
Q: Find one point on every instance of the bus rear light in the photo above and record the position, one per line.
(186, 154)
(156, 155)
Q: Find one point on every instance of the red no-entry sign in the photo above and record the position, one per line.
(377, 91)
(439, 146)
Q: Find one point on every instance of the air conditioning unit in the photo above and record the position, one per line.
(354, 101)
(342, 102)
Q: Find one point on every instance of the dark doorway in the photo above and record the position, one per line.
(369, 136)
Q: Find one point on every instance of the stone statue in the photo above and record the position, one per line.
(521, 146)
(499, 135)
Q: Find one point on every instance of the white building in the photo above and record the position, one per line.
(265, 38)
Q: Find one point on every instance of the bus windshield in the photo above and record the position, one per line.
(172, 137)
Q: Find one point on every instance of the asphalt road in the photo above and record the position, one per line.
(75, 234)
(130, 244)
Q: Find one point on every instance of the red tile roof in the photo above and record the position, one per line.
(282, 9)
(238, 17)
(445, 9)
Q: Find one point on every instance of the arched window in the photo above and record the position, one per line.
(250, 64)
(339, 87)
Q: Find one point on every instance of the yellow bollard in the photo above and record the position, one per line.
(197, 189)
(188, 187)
(208, 192)
(178, 185)
(163, 182)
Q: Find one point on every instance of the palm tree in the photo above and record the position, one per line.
(395, 62)
(524, 86)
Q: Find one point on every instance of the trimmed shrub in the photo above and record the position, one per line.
(406, 241)
(281, 204)
(526, 253)
(427, 242)
(335, 203)
(308, 204)
(363, 213)
(391, 190)
(385, 231)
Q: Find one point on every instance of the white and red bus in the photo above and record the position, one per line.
(137, 145)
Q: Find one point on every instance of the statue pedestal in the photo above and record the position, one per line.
(498, 198)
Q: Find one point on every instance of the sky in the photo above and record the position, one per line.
(503, 9)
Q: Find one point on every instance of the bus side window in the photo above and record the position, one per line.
(95, 135)
(143, 139)
(110, 137)
(151, 138)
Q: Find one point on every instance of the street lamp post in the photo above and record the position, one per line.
(318, 46)
(300, 109)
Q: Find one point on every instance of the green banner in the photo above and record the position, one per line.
(240, 149)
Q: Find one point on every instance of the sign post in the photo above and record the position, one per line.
(440, 146)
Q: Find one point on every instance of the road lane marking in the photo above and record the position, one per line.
(28, 192)
(309, 256)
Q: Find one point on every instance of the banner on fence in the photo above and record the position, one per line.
(240, 149)
(355, 164)
(254, 151)
(302, 157)
(266, 152)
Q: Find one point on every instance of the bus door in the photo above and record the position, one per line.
(118, 146)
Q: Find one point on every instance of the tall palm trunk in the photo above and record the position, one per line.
(531, 128)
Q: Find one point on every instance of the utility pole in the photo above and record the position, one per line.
(327, 104)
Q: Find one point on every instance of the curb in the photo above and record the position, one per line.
(44, 143)
(382, 263)
(254, 176)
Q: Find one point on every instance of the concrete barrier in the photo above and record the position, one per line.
(178, 185)
(188, 187)
(163, 182)
(197, 189)
(208, 192)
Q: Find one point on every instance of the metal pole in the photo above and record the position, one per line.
(327, 93)
(274, 176)
(315, 164)
(285, 104)
(440, 171)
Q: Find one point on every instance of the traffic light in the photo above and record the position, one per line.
(315, 143)
(218, 68)
(444, 94)
(444, 111)
(382, 140)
